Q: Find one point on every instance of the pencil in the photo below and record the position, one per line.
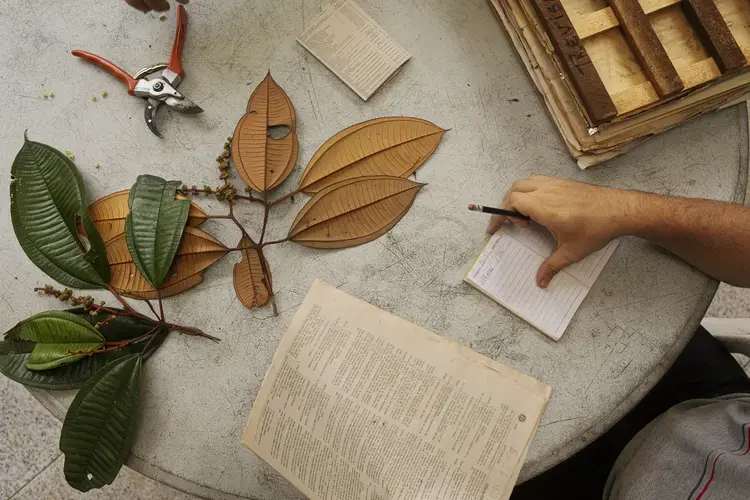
(498, 211)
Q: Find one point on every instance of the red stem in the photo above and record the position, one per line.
(161, 306)
(247, 198)
(266, 209)
(286, 196)
(148, 302)
(275, 242)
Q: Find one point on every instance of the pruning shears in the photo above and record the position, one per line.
(158, 89)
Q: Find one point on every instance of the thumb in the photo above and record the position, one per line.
(553, 265)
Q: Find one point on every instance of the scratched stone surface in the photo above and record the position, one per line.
(464, 76)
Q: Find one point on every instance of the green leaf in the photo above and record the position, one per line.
(58, 326)
(14, 353)
(46, 197)
(100, 424)
(154, 226)
(48, 356)
(57, 334)
(119, 329)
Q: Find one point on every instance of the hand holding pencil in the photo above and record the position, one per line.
(582, 218)
(498, 211)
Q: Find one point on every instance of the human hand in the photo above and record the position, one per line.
(149, 5)
(582, 218)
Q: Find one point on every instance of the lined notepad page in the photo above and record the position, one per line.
(353, 46)
(506, 272)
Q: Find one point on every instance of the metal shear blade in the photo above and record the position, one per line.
(183, 105)
(162, 89)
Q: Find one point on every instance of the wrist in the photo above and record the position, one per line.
(636, 213)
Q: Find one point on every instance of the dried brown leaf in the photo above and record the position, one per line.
(198, 250)
(263, 162)
(109, 214)
(249, 282)
(353, 212)
(394, 146)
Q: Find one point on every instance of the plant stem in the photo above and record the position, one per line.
(286, 196)
(266, 209)
(189, 330)
(134, 340)
(247, 198)
(120, 299)
(161, 306)
(127, 306)
(151, 340)
(237, 223)
(116, 346)
(267, 277)
(275, 242)
(148, 302)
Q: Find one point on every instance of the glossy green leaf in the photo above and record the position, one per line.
(14, 353)
(56, 335)
(100, 424)
(46, 197)
(154, 226)
(48, 356)
(118, 329)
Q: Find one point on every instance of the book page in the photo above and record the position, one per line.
(352, 45)
(360, 404)
(506, 271)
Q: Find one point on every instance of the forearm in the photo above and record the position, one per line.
(712, 236)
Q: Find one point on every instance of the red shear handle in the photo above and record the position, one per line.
(175, 59)
(117, 71)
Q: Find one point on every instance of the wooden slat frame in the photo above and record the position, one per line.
(715, 35)
(604, 19)
(647, 47)
(643, 95)
(581, 71)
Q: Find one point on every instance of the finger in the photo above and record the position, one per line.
(158, 5)
(523, 203)
(520, 202)
(496, 221)
(138, 4)
(553, 265)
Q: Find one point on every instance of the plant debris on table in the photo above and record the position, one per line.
(145, 243)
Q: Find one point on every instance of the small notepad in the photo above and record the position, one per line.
(506, 272)
(352, 45)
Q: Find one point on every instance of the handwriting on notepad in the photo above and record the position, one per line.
(506, 271)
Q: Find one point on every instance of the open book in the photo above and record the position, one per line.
(359, 404)
(506, 270)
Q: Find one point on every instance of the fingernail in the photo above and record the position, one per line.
(544, 282)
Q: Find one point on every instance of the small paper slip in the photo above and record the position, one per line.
(506, 272)
(353, 46)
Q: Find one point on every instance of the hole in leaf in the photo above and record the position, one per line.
(278, 132)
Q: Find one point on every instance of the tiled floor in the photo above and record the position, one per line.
(730, 302)
(31, 463)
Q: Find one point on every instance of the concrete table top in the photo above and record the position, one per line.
(465, 76)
